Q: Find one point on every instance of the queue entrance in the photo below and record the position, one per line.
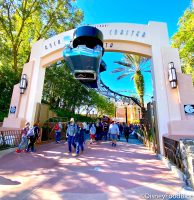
(149, 40)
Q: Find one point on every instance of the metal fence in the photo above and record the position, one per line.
(9, 138)
(172, 151)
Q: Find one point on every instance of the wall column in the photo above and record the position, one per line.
(26, 103)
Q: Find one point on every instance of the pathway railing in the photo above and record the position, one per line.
(9, 138)
(140, 137)
(172, 151)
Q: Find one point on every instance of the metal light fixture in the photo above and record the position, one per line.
(23, 83)
(172, 76)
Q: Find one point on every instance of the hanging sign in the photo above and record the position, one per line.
(189, 109)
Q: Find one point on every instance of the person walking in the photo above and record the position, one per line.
(71, 132)
(58, 128)
(79, 139)
(105, 130)
(32, 138)
(24, 140)
(37, 133)
(98, 131)
(114, 132)
(126, 132)
(87, 128)
(120, 129)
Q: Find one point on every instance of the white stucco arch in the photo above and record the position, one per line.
(148, 40)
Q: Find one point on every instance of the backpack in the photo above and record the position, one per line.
(30, 132)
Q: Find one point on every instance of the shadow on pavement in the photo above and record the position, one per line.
(6, 181)
(102, 172)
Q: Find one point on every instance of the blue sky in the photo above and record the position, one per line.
(129, 11)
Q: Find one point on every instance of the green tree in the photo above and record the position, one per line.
(134, 65)
(60, 86)
(22, 23)
(183, 39)
(107, 108)
(104, 106)
(90, 101)
(7, 78)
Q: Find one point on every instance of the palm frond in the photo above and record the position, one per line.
(118, 70)
(144, 60)
(129, 58)
(145, 67)
(123, 63)
(136, 60)
(122, 76)
(133, 59)
(147, 71)
(132, 78)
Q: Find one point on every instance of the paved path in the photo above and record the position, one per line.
(102, 172)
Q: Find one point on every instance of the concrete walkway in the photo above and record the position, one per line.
(102, 172)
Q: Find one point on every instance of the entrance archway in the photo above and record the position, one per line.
(148, 40)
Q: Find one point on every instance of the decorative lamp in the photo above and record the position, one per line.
(23, 83)
(172, 76)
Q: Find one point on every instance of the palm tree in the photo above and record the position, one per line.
(134, 65)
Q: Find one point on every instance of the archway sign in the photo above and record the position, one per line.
(148, 40)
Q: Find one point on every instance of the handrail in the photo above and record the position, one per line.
(171, 151)
(9, 137)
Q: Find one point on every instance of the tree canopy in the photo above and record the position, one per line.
(183, 39)
(60, 86)
(22, 23)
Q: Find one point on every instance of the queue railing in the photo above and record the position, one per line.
(9, 138)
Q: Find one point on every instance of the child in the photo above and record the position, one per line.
(92, 133)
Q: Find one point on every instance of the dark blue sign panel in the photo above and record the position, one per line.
(189, 109)
(12, 110)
